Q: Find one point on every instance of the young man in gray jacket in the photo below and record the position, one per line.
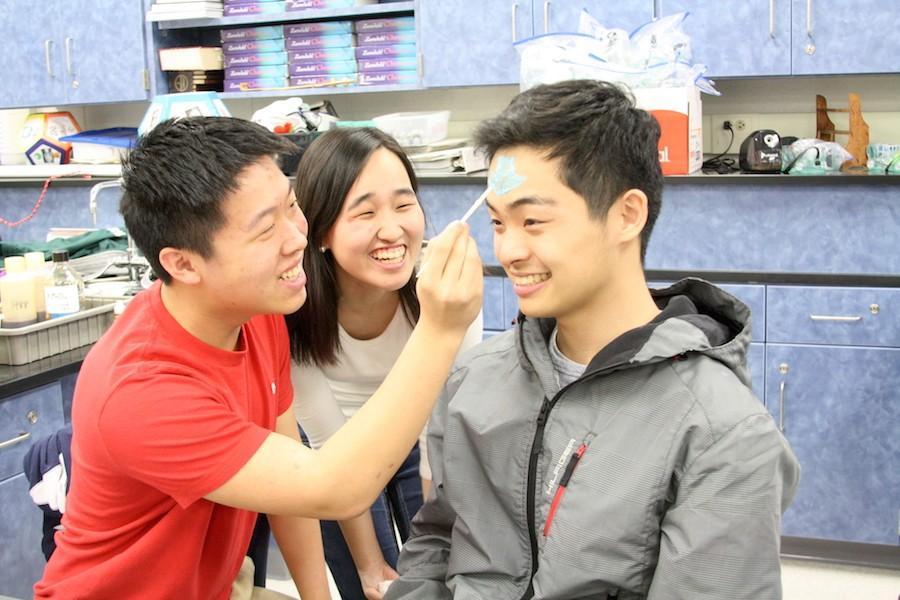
(609, 445)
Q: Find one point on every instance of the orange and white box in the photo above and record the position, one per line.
(678, 112)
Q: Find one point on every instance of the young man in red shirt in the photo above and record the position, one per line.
(183, 427)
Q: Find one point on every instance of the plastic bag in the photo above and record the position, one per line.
(293, 115)
(615, 45)
(813, 157)
(662, 41)
(883, 158)
(656, 55)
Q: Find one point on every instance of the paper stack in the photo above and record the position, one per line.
(447, 156)
(172, 10)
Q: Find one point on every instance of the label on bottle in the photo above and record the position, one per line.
(61, 300)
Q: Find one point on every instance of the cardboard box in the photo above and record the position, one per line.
(196, 58)
(678, 112)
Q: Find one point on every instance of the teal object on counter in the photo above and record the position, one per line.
(77, 245)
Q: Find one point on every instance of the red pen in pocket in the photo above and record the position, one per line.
(563, 482)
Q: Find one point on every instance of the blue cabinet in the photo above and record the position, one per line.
(794, 225)
(471, 43)
(84, 53)
(832, 375)
(20, 529)
(554, 17)
(839, 409)
(844, 37)
(103, 43)
(749, 38)
(851, 316)
(30, 46)
(23, 418)
(791, 37)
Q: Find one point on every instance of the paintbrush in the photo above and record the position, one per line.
(478, 202)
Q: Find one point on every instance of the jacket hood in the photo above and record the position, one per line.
(696, 317)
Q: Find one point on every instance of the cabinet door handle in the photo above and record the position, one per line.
(781, 398)
(12, 442)
(68, 56)
(772, 19)
(515, 11)
(835, 318)
(809, 21)
(48, 44)
(546, 16)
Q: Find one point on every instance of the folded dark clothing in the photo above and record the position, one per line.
(77, 245)
(48, 462)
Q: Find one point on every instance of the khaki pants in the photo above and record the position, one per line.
(243, 589)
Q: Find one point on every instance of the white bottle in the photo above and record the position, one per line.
(17, 294)
(62, 290)
(34, 263)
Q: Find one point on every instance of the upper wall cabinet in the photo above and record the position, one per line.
(553, 17)
(791, 37)
(87, 53)
(747, 38)
(845, 37)
(471, 43)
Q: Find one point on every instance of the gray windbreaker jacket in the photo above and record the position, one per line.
(677, 491)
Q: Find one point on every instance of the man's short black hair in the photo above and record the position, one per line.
(605, 145)
(178, 175)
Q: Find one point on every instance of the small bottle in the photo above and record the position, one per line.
(17, 294)
(34, 263)
(63, 287)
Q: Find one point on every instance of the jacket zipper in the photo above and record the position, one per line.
(536, 446)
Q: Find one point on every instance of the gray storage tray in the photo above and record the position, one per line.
(22, 345)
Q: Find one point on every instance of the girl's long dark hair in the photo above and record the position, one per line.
(327, 171)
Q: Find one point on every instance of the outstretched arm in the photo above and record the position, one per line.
(342, 478)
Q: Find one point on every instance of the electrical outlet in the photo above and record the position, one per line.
(742, 125)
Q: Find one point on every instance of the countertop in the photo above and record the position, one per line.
(17, 379)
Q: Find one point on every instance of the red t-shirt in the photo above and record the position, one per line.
(161, 419)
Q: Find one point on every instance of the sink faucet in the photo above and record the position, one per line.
(136, 264)
(95, 191)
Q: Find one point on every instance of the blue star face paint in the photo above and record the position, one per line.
(504, 179)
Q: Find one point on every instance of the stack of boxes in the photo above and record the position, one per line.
(254, 58)
(386, 51)
(320, 53)
(325, 53)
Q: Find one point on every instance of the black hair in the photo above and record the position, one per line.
(605, 144)
(327, 171)
(178, 175)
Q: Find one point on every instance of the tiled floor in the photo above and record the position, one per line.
(802, 580)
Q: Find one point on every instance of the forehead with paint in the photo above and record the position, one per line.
(523, 176)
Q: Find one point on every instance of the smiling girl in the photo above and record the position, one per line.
(358, 191)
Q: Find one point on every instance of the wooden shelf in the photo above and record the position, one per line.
(328, 14)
